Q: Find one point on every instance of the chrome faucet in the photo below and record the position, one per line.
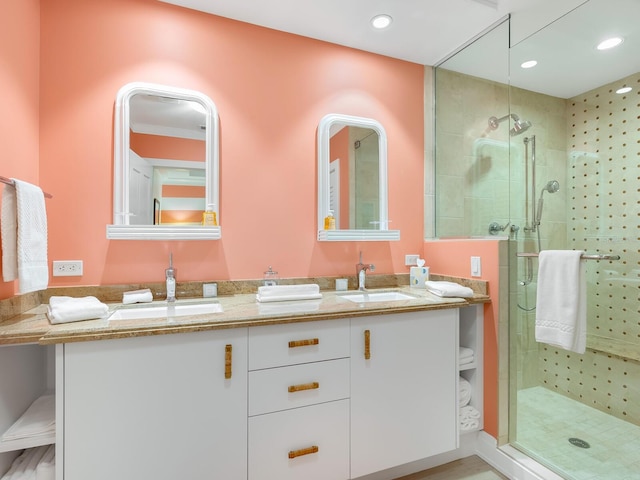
(361, 270)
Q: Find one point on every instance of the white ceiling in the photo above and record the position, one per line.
(428, 31)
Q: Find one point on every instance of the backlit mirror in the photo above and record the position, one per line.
(166, 163)
(352, 179)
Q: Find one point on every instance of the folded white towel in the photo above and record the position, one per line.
(448, 289)
(24, 467)
(137, 296)
(464, 352)
(466, 361)
(38, 419)
(561, 301)
(279, 293)
(24, 236)
(46, 469)
(69, 309)
(464, 392)
(469, 418)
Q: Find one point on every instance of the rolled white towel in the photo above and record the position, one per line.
(464, 392)
(24, 467)
(46, 469)
(464, 352)
(448, 289)
(68, 309)
(137, 296)
(279, 293)
(469, 418)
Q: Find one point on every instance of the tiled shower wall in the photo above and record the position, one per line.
(603, 188)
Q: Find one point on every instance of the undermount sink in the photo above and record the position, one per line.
(160, 311)
(377, 297)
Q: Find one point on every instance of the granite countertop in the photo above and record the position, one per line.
(239, 310)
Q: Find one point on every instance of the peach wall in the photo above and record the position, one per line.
(453, 257)
(271, 89)
(19, 82)
(169, 148)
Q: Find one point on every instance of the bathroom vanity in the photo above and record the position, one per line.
(340, 392)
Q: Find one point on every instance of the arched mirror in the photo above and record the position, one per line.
(166, 164)
(352, 179)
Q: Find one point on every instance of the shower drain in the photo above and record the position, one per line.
(578, 442)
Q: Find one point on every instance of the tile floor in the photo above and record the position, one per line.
(470, 468)
(546, 420)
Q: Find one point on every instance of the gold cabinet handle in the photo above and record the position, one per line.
(304, 386)
(227, 361)
(303, 451)
(367, 344)
(303, 343)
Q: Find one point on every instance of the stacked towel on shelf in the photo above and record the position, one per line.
(69, 309)
(561, 301)
(137, 296)
(279, 293)
(465, 356)
(464, 392)
(38, 419)
(448, 289)
(24, 237)
(33, 464)
(469, 418)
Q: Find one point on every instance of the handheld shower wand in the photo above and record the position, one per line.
(552, 186)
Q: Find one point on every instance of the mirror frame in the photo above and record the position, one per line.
(121, 229)
(324, 137)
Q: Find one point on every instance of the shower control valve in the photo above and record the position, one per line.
(495, 228)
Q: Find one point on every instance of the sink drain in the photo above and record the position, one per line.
(578, 442)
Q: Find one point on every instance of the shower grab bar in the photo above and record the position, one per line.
(598, 256)
(8, 181)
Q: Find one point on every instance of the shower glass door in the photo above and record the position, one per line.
(579, 414)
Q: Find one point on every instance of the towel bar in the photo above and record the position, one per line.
(8, 181)
(584, 256)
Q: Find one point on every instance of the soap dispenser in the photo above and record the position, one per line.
(209, 217)
(330, 221)
(170, 276)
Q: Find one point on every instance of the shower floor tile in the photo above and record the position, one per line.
(546, 421)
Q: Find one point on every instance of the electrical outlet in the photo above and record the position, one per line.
(476, 267)
(67, 268)
(209, 290)
(411, 260)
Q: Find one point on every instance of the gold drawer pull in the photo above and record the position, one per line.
(304, 451)
(227, 361)
(304, 386)
(367, 344)
(303, 343)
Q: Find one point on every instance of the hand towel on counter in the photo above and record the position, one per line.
(24, 237)
(469, 418)
(464, 392)
(69, 309)
(137, 296)
(279, 293)
(448, 289)
(561, 301)
(38, 419)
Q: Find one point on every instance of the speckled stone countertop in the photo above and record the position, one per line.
(239, 310)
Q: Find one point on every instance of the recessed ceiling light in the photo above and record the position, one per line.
(624, 90)
(381, 21)
(610, 43)
(529, 64)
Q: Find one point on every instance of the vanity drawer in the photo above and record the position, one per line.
(296, 386)
(310, 443)
(295, 343)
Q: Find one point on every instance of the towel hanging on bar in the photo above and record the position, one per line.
(585, 256)
(9, 181)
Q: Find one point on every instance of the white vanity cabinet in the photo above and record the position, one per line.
(403, 388)
(160, 407)
(299, 401)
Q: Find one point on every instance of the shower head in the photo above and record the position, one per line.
(519, 126)
(552, 186)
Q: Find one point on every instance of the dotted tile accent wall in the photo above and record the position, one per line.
(603, 194)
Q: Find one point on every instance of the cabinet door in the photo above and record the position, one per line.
(403, 397)
(156, 407)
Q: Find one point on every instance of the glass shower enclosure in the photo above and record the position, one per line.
(550, 159)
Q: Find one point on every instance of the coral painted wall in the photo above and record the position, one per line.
(270, 88)
(452, 257)
(19, 82)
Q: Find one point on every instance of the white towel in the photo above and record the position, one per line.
(469, 418)
(448, 289)
(278, 293)
(561, 302)
(24, 467)
(137, 296)
(38, 419)
(46, 469)
(24, 237)
(465, 352)
(464, 392)
(69, 309)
